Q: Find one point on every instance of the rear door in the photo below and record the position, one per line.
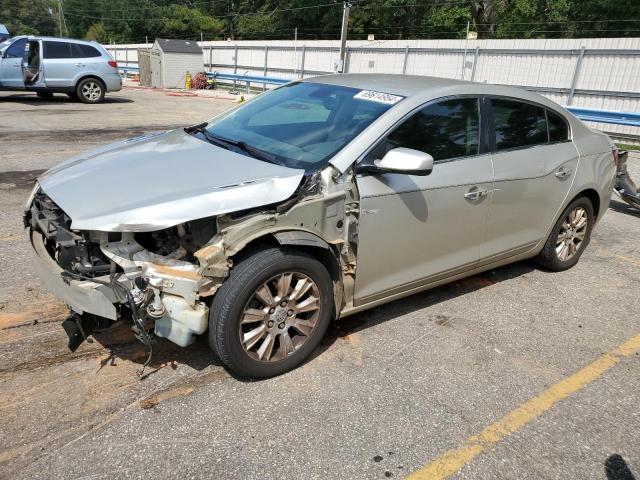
(534, 163)
(414, 230)
(11, 64)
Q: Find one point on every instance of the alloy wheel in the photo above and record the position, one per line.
(91, 91)
(280, 317)
(572, 233)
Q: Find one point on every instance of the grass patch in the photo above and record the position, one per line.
(626, 146)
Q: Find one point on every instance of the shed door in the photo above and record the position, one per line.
(156, 69)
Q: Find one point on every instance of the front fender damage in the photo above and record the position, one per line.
(324, 215)
(168, 277)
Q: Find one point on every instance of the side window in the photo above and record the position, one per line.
(447, 129)
(16, 50)
(558, 127)
(518, 124)
(83, 51)
(57, 50)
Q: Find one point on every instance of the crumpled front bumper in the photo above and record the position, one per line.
(81, 296)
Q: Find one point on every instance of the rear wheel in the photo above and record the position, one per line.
(45, 95)
(90, 90)
(569, 237)
(271, 313)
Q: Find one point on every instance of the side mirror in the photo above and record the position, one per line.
(400, 160)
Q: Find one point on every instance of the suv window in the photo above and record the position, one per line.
(518, 124)
(57, 50)
(16, 50)
(447, 129)
(558, 127)
(83, 51)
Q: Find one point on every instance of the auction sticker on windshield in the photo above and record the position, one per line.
(379, 97)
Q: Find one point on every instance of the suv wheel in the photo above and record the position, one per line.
(569, 237)
(90, 90)
(271, 313)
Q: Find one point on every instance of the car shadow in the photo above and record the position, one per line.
(617, 469)
(58, 99)
(121, 343)
(622, 207)
(419, 301)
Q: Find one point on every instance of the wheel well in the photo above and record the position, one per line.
(326, 256)
(85, 77)
(593, 197)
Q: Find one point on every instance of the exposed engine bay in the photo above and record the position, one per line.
(162, 281)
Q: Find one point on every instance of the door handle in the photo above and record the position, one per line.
(476, 194)
(80, 65)
(564, 173)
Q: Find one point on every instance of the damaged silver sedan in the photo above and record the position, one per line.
(317, 200)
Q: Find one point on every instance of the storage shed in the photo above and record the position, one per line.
(170, 60)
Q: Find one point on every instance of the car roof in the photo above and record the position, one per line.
(405, 85)
(424, 87)
(59, 39)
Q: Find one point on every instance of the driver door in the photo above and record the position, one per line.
(415, 230)
(11, 66)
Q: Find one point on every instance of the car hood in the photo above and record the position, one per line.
(160, 180)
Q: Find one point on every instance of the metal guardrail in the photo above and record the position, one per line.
(631, 119)
(247, 79)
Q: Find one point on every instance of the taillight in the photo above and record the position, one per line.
(616, 159)
(113, 63)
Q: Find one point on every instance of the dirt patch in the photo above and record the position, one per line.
(101, 135)
(47, 313)
(18, 179)
(182, 390)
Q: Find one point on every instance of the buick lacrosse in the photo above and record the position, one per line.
(319, 199)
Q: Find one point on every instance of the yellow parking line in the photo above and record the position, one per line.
(453, 460)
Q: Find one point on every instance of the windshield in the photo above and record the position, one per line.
(302, 125)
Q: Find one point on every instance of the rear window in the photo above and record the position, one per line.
(57, 50)
(518, 124)
(84, 51)
(558, 128)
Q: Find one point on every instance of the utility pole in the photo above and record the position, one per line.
(60, 16)
(346, 6)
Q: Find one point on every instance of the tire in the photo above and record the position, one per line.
(270, 327)
(46, 95)
(90, 90)
(557, 254)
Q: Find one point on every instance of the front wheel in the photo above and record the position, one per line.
(271, 313)
(569, 237)
(90, 90)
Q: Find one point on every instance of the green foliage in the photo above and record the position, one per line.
(29, 17)
(128, 21)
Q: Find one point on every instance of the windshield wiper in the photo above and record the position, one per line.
(201, 128)
(254, 152)
(225, 142)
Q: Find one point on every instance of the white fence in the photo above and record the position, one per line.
(592, 73)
